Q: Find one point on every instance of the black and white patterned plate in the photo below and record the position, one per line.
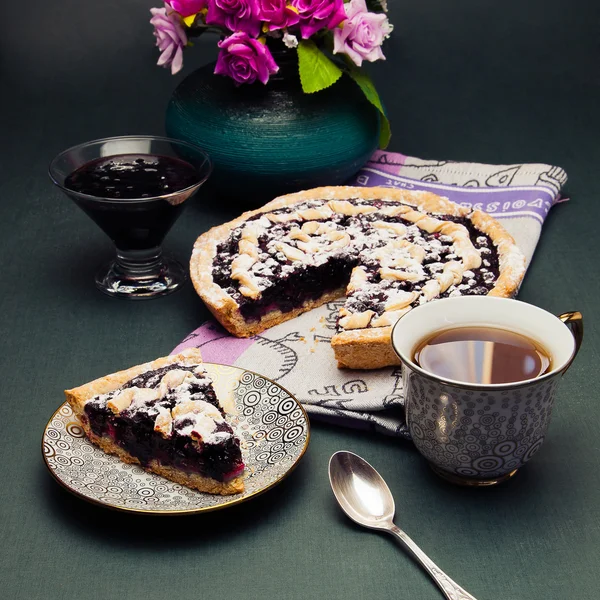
(271, 424)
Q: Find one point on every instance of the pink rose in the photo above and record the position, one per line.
(236, 15)
(362, 33)
(277, 14)
(170, 38)
(245, 59)
(318, 14)
(187, 8)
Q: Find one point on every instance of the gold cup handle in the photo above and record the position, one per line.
(574, 320)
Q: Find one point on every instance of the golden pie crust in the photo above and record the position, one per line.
(77, 398)
(359, 348)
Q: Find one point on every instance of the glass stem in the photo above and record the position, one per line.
(139, 263)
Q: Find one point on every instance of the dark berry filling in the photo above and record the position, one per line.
(134, 432)
(306, 284)
(289, 285)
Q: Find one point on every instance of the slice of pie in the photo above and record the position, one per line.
(164, 416)
(385, 250)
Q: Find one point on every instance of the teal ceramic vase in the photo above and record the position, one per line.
(267, 140)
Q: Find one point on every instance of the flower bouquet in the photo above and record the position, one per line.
(331, 37)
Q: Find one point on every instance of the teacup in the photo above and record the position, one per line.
(481, 434)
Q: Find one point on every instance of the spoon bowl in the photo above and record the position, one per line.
(365, 497)
(361, 491)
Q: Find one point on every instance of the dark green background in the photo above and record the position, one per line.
(476, 80)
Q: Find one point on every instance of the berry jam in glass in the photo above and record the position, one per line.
(134, 188)
(124, 182)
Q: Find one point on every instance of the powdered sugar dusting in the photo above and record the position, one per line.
(300, 239)
(200, 423)
(177, 397)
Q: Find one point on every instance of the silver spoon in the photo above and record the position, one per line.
(366, 499)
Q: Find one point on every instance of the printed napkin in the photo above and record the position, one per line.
(297, 354)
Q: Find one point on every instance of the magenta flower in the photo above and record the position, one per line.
(236, 15)
(187, 8)
(245, 59)
(170, 38)
(277, 14)
(362, 33)
(318, 14)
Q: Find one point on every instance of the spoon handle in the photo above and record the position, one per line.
(450, 588)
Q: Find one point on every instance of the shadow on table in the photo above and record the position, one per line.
(131, 530)
(541, 483)
(539, 489)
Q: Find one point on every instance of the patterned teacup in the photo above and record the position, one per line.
(480, 434)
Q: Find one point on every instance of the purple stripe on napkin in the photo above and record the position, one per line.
(216, 344)
(528, 201)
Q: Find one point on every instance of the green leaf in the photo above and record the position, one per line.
(317, 72)
(368, 88)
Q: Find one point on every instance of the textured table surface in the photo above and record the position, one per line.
(492, 82)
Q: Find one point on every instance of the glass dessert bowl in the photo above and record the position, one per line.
(134, 188)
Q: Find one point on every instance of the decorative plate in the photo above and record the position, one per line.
(271, 424)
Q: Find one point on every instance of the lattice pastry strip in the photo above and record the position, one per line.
(390, 249)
